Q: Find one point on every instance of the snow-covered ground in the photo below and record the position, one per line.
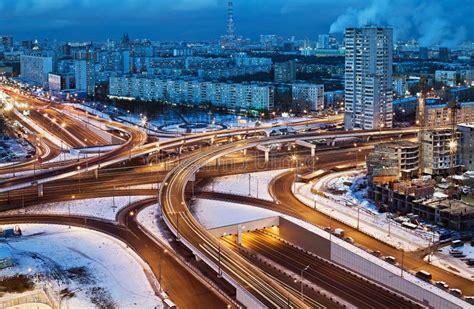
(90, 110)
(66, 156)
(23, 173)
(171, 117)
(214, 214)
(239, 184)
(80, 260)
(150, 218)
(346, 208)
(177, 128)
(103, 207)
(457, 266)
(14, 150)
(147, 186)
(351, 195)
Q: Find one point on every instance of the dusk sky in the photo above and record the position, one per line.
(445, 22)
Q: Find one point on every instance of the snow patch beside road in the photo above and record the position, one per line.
(375, 225)
(102, 208)
(81, 260)
(457, 266)
(150, 218)
(242, 184)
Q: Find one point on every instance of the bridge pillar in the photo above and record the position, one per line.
(239, 236)
(245, 151)
(96, 173)
(266, 150)
(308, 145)
(240, 228)
(40, 190)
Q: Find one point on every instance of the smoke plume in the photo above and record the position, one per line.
(431, 22)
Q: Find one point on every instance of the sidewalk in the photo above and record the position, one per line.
(371, 223)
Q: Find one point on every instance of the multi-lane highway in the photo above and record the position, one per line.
(183, 224)
(187, 289)
(76, 179)
(327, 276)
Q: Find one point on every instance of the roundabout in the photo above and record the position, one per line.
(196, 127)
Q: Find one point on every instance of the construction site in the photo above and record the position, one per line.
(430, 178)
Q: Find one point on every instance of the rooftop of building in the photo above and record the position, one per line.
(466, 125)
(454, 207)
(400, 144)
(439, 104)
(405, 100)
(458, 89)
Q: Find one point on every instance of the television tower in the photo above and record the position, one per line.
(230, 19)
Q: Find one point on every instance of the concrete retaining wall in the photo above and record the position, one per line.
(369, 266)
(303, 238)
(427, 293)
(245, 226)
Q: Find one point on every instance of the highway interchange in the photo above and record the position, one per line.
(140, 159)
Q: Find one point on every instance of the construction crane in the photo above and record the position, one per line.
(453, 143)
(420, 121)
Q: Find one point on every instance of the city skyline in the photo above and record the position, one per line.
(236, 154)
(206, 19)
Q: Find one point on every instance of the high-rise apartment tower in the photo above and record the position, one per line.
(368, 78)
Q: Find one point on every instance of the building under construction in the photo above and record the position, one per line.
(419, 198)
(393, 161)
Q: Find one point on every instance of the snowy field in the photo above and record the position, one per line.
(239, 184)
(90, 110)
(150, 219)
(177, 128)
(66, 156)
(457, 266)
(214, 214)
(24, 173)
(351, 195)
(102, 208)
(346, 208)
(14, 150)
(80, 260)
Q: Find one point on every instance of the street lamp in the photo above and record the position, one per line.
(160, 268)
(295, 158)
(219, 273)
(403, 257)
(302, 283)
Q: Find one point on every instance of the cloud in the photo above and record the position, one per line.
(107, 7)
(443, 22)
(431, 22)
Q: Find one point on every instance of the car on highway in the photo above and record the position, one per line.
(424, 275)
(442, 285)
(456, 292)
(390, 259)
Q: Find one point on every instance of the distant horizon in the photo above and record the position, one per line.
(205, 20)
